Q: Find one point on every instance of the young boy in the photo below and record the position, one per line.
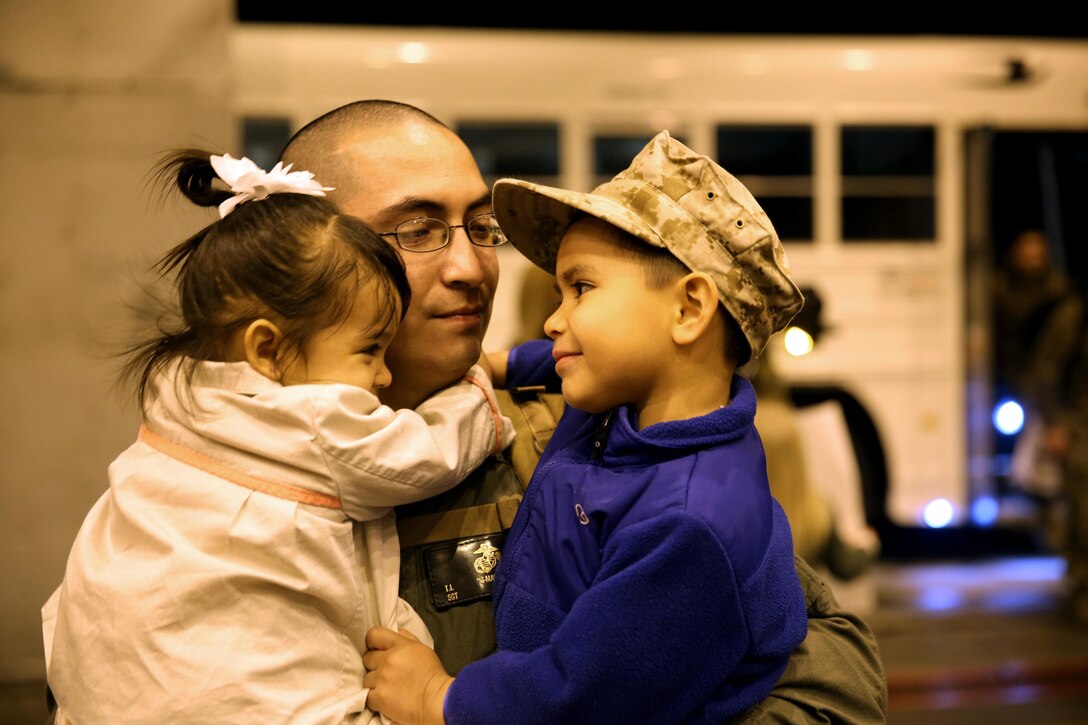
(648, 575)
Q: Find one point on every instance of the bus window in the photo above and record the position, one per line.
(888, 184)
(775, 163)
(513, 149)
(263, 138)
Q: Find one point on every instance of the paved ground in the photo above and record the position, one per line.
(964, 642)
(981, 641)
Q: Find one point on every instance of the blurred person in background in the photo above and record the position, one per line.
(1026, 289)
(1057, 388)
(817, 534)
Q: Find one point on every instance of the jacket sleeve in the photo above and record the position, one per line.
(645, 643)
(389, 457)
(531, 363)
(835, 676)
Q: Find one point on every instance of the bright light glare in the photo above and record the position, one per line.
(938, 513)
(984, 510)
(1008, 417)
(797, 342)
(857, 60)
(940, 599)
(413, 53)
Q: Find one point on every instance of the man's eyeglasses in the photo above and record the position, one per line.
(429, 235)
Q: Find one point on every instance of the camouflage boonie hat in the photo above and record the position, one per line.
(670, 197)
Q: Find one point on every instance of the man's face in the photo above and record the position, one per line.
(420, 170)
(1031, 257)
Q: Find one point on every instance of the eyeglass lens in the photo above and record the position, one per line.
(426, 235)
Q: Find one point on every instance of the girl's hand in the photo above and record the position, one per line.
(406, 679)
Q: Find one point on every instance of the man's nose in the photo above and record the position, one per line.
(463, 259)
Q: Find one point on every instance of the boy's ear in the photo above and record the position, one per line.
(262, 345)
(698, 297)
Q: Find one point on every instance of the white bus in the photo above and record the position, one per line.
(895, 169)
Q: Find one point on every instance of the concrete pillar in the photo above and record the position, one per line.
(90, 95)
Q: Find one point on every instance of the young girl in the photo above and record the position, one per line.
(247, 540)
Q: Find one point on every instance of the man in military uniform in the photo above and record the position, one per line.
(391, 163)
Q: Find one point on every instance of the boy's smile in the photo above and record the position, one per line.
(563, 360)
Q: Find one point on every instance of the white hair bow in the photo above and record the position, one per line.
(250, 182)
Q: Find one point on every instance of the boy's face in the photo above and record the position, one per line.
(351, 351)
(611, 331)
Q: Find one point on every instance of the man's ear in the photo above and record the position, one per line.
(262, 344)
(698, 298)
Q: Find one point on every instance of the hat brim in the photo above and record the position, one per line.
(535, 217)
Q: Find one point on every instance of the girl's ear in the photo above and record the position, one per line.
(262, 344)
(698, 297)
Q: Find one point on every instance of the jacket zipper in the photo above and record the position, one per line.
(601, 436)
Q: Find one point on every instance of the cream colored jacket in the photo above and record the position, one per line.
(246, 544)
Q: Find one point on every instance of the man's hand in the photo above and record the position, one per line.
(406, 679)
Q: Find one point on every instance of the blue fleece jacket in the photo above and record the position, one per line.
(648, 575)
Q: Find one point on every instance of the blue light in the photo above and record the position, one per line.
(1008, 417)
(941, 599)
(984, 510)
(938, 513)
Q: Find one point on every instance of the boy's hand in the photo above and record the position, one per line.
(406, 679)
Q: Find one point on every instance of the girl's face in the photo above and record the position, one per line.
(351, 351)
(611, 331)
